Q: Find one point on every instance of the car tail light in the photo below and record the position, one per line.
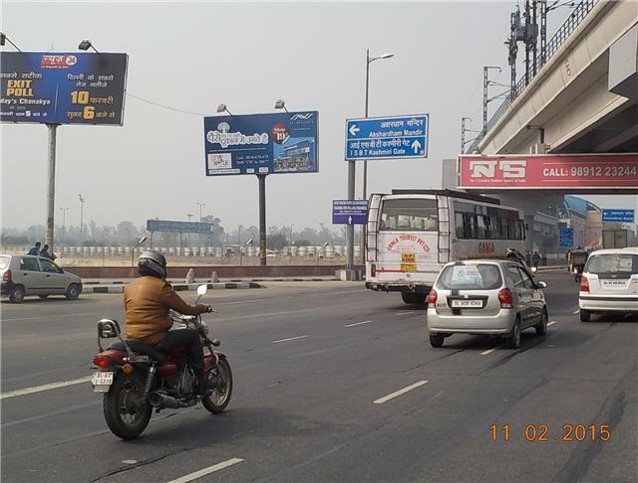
(584, 284)
(505, 298)
(373, 270)
(101, 361)
(432, 297)
(6, 277)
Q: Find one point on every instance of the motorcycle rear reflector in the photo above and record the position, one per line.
(102, 361)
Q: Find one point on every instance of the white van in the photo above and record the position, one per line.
(609, 283)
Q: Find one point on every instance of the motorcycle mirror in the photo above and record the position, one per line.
(202, 289)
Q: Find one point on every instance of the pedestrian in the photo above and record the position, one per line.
(536, 258)
(528, 258)
(568, 255)
(45, 252)
(35, 249)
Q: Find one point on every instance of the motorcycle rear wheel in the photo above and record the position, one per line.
(126, 415)
(218, 399)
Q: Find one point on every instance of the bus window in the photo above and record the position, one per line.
(411, 214)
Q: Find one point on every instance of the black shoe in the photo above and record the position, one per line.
(202, 386)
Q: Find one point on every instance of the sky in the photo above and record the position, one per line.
(192, 56)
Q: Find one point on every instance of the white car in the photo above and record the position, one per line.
(609, 284)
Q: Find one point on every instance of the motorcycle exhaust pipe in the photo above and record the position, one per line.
(161, 401)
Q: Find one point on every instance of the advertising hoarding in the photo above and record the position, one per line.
(261, 143)
(179, 226)
(602, 171)
(62, 88)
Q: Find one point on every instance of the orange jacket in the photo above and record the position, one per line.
(146, 301)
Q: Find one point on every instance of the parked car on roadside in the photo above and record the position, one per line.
(24, 275)
(485, 297)
(609, 283)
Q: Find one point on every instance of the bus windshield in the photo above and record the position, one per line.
(409, 214)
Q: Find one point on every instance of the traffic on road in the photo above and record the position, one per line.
(333, 382)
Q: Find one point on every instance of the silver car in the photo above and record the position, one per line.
(32, 275)
(609, 283)
(493, 297)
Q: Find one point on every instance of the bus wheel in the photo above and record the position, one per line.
(409, 297)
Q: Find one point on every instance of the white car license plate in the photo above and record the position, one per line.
(460, 304)
(613, 284)
(102, 381)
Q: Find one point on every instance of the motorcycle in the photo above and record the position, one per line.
(136, 378)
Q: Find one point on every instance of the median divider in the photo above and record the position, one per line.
(113, 287)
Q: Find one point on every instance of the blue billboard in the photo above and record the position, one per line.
(179, 226)
(399, 137)
(262, 143)
(618, 216)
(63, 88)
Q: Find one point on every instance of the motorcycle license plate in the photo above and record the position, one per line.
(102, 381)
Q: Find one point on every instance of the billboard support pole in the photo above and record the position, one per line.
(51, 190)
(350, 226)
(262, 219)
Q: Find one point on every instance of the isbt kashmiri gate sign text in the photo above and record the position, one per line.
(547, 171)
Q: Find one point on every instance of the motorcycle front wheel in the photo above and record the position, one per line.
(220, 379)
(126, 414)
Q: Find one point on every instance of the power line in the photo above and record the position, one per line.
(163, 106)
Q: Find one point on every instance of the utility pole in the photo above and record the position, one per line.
(64, 210)
(512, 43)
(82, 200)
(486, 83)
(463, 131)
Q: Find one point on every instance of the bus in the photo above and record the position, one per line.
(411, 234)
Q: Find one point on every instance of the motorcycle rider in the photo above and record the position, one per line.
(514, 254)
(147, 300)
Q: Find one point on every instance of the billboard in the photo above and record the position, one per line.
(261, 143)
(179, 226)
(63, 88)
(603, 171)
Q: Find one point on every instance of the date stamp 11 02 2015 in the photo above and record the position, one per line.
(545, 433)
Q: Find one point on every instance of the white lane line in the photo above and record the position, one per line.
(242, 302)
(358, 323)
(206, 471)
(576, 312)
(404, 313)
(292, 338)
(489, 351)
(44, 387)
(551, 323)
(399, 393)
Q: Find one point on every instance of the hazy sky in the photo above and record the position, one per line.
(194, 56)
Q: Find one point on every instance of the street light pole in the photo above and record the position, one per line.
(82, 200)
(199, 236)
(64, 210)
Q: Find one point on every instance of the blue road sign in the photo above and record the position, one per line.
(262, 143)
(387, 137)
(63, 87)
(620, 216)
(179, 226)
(349, 212)
(566, 237)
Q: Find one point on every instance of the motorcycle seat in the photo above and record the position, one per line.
(141, 347)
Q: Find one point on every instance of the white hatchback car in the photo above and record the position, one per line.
(609, 283)
(491, 297)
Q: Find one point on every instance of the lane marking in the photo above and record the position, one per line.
(576, 312)
(242, 302)
(551, 323)
(404, 313)
(399, 393)
(489, 351)
(292, 338)
(44, 387)
(358, 323)
(206, 471)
